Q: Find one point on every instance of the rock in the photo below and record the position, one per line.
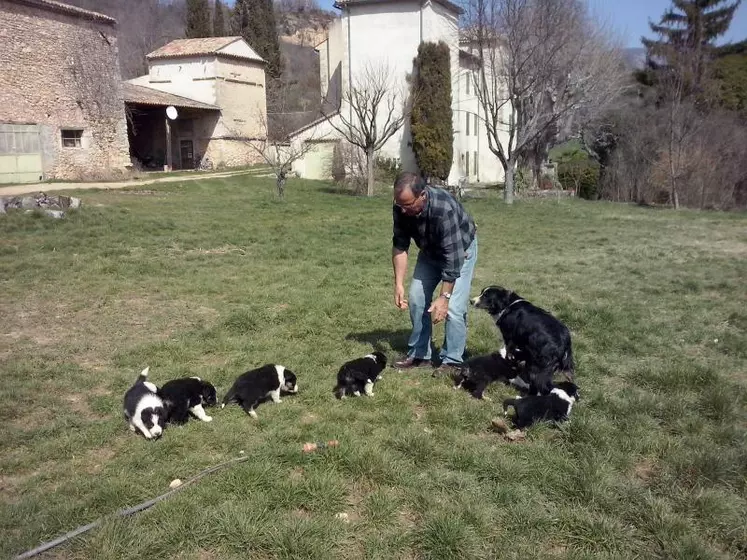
(176, 483)
(74, 202)
(2, 206)
(28, 202)
(55, 213)
(344, 517)
(499, 425)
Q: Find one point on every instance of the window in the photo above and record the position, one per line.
(72, 138)
(466, 161)
(469, 78)
(467, 115)
(474, 161)
(475, 124)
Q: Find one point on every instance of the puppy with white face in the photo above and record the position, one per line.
(359, 375)
(143, 408)
(186, 396)
(257, 385)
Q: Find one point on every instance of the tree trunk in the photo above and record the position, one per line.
(370, 168)
(280, 183)
(508, 191)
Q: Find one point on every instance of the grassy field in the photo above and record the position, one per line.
(211, 278)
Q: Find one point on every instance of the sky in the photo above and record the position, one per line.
(630, 18)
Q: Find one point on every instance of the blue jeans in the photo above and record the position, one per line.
(426, 277)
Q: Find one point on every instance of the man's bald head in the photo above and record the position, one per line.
(408, 181)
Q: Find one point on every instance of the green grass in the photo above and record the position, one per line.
(213, 277)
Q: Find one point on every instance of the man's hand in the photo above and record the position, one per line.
(399, 297)
(439, 309)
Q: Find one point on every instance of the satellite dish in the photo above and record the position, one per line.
(171, 112)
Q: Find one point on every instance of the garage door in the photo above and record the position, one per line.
(319, 161)
(20, 153)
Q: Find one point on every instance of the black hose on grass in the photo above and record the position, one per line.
(124, 512)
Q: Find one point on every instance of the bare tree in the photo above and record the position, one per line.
(371, 111)
(542, 62)
(274, 144)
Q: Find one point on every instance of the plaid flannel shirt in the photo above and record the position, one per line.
(442, 231)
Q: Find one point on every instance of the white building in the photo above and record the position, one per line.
(388, 32)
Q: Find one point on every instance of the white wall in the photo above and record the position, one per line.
(192, 77)
(390, 33)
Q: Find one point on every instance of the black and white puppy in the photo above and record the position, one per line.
(257, 385)
(479, 372)
(359, 375)
(189, 394)
(143, 408)
(531, 335)
(556, 406)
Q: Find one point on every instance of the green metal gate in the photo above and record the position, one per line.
(20, 153)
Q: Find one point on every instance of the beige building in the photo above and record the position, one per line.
(217, 86)
(61, 105)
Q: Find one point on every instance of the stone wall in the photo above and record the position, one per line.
(59, 69)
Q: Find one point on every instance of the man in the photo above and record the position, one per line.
(446, 237)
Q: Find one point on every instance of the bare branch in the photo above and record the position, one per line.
(371, 112)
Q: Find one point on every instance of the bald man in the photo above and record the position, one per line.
(447, 238)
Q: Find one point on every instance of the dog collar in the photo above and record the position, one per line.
(502, 313)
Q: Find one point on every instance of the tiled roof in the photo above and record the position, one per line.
(450, 5)
(60, 7)
(148, 96)
(197, 47)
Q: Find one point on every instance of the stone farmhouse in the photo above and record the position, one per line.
(61, 100)
(65, 112)
(374, 32)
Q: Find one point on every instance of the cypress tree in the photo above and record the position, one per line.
(198, 19)
(431, 118)
(219, 24)
(254, 20)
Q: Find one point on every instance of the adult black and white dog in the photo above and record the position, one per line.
(187, 395)
(257, 385)
(556, 406)
(143, 408)
(531, 335)
(480, 371)
(359, 375)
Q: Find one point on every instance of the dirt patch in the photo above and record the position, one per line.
(644, 470)
(296, 474)
(79, 403)
(96, 459)
(301, 513)
(419, 411)
(309, 418)
(91, 327)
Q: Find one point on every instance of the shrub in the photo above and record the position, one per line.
(431, 119)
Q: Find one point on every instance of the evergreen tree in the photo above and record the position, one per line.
(198, 19)
(219, 25)
(687, 32)
(431, 118)
(254, 20)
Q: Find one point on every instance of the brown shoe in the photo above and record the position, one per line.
(409, 363)
(447, 370)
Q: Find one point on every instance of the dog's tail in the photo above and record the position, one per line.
(229, 397)
(143, 375)
(568, 366)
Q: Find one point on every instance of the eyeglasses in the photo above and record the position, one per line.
(409, 204)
